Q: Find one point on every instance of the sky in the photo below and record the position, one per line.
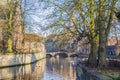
(36, 21)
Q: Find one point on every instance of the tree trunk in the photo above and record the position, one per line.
(102, 50)
(104, 31)
(102, 41)
(92, 60)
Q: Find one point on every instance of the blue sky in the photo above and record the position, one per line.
(36, 19)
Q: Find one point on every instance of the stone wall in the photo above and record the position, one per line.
(11, 60)
(33, 43)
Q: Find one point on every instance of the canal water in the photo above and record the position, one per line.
(46, 69)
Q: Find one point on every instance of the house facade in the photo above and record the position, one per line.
(60, 42)
(113, 47)
(51, 45)
(83, 47)
(33, 43)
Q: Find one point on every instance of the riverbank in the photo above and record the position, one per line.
(89, 74)
(20, 59)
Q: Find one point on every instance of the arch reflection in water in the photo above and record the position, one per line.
(28, 72)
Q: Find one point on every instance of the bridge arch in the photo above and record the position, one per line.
(74, 55)
(61, 55)
(48, 55)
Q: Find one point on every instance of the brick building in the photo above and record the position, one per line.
(113, 47)
(33, 43)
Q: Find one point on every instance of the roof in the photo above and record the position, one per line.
(32, 38)
(57, 36)
(112, 41)
(53, 36)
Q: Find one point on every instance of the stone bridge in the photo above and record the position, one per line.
(55, 54)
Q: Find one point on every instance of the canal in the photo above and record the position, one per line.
(46, 69)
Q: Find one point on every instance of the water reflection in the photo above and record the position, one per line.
(28, 72)
(59, 69)
(49, 69)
